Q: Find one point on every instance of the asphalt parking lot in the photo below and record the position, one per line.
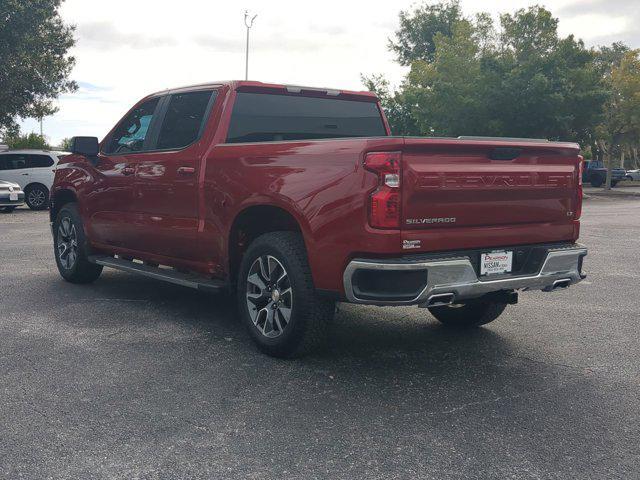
(132, 378)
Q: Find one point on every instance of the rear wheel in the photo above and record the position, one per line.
(37, 197)
(469, 314)
(70, 245)
(614, 183)
(596, 182)
(277, 300)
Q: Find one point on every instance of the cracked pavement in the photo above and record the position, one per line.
(132, 378)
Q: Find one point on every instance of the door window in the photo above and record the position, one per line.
(14, 161)
(39, 161)
(184, 119)
(130, 134)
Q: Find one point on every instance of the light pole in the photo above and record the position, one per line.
(248, 21)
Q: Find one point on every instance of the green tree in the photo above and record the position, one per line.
(620, 127)
(543, 85)
(448, 94)
(65, 144)
(467, 80)
(415, 39)
(34, 60)
(397, 108)
(30, 140)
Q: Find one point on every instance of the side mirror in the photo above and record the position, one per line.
(87, 146)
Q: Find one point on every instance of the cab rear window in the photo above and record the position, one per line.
(261, 117)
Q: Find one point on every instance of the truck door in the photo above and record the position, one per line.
(166, 187)
(110, 206)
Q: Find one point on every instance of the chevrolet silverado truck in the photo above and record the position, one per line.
(296, 198)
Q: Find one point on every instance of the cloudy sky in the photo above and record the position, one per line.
(127, 49)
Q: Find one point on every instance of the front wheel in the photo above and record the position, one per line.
(70, 247)
(277, 300)
(469, 314)
(614, 183)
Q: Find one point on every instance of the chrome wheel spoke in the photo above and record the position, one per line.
(286, 292)
(268, 324)
(254, 298)
(282, 278)
(286, 313)
(264, 268)
(257, 282)
(262, 315)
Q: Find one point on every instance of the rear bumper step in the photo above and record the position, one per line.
(445, 281)
(165, 274)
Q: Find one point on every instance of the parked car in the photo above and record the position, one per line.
(33, 170)
(595, 173)
(633, 175)
(11, 196)
(298, 197)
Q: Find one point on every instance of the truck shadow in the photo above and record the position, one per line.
(390, 381)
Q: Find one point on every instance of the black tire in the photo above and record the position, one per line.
(596, 182)
(614, 183)
(73, 268)
(309, 315)
(37, 197)
(469, 314)
(7, 209)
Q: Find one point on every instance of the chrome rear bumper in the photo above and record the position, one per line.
(452, 279)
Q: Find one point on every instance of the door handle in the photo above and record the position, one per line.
(24, 174)
(128, 171)
(186, 170)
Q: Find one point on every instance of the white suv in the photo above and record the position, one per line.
(33, 170)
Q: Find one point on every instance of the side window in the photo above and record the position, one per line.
(39, 161)
(130, 134)
(3, 162)
(16, 161)
(184, 119)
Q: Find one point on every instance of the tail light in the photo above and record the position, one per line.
(578, 209)
(384, 202)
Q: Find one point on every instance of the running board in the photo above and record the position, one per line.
(165, 274)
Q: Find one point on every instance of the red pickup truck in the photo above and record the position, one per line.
(296, 198)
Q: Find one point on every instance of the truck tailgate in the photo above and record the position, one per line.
(450, 184)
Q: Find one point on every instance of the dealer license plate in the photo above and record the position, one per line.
(495, 262)
(13, 196)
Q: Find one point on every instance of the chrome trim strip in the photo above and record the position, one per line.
(457, 275)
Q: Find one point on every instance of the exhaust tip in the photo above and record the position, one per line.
(558, 284)
(441, 299)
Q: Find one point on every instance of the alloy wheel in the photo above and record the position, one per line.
(36, 197)
(269, 296)
(67, 243)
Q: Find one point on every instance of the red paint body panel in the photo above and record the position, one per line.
(164, 214)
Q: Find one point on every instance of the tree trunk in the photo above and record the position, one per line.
(607, 159)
